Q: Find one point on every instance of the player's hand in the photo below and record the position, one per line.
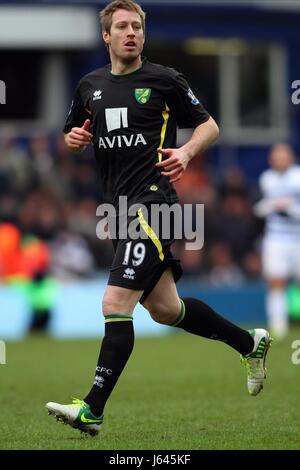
(79, 137)
(282, 204)
(174, 165)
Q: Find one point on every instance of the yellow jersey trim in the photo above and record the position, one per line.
(165, 115)
(151, 234)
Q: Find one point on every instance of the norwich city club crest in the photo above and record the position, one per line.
(142, 95)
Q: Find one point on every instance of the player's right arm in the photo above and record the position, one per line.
(77, 129)
(270, 204)
(265, 206)
(79, 137)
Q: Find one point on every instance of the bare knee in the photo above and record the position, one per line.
(109, 304)
(119, 301)
(163, 313)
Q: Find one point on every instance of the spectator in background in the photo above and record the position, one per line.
(24, 264)
(16, 169)
(41, 214)
(224, 271)
(233, 183)
(252, 266)
(280, 205)
(41, 158)
(193, 263)
(71, 257)
(235, 224)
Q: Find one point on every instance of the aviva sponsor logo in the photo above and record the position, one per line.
(117, 118)
(121, 141)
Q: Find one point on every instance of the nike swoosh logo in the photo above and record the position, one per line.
(87, 420)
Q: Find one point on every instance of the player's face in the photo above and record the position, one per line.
(281, 157)
(126, 37)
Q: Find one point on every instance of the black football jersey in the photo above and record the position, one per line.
(131, 117)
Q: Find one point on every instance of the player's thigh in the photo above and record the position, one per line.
(134, 264)
(276, 261)
(120, 300)
(164, 301)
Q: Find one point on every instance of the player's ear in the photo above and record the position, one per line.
(105, 37)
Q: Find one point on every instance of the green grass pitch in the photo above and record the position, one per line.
(178, 392)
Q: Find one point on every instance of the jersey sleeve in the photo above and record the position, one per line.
(263, 183)
(187, 109)
(77, 114)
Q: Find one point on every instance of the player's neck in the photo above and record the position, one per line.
(118, 67)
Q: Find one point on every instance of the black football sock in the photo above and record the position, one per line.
(198, 318)
(115, 351)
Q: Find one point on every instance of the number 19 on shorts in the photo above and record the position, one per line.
(137, 254)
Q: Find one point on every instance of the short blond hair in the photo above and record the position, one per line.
(109, 10)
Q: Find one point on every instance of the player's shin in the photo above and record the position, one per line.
(115, 351)
(198, 318)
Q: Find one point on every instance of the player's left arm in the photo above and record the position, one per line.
(203, 136)
(293, 210)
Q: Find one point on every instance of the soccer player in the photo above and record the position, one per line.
(280, 187)
(129, 111)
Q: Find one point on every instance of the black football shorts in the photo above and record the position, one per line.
(139, 263)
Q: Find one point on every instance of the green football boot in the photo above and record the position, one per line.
(78, 415)
(255, 361)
